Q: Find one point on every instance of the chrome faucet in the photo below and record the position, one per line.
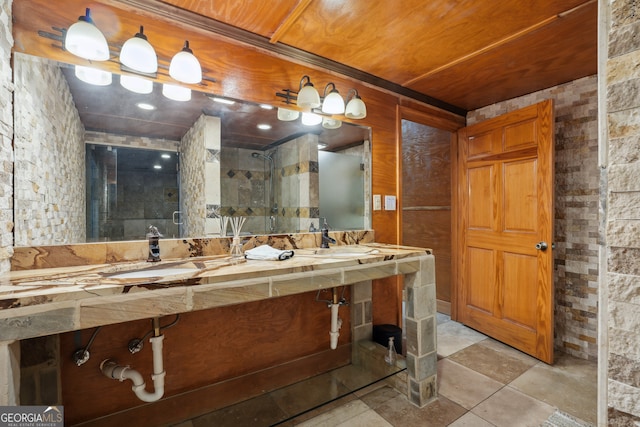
(325, 235)
(154, 244)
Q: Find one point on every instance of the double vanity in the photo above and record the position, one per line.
(53, 290)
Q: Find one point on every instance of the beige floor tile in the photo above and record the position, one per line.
(453, 337)
(511, 408)
(399, 412)
(570, 384)
(470, 420)
(380, 396)
(464, 386)
(495, 360)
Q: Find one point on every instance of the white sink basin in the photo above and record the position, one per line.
(159, 272)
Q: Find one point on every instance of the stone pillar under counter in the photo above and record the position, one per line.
(10, 366)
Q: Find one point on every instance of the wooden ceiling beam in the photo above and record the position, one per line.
(289, 20)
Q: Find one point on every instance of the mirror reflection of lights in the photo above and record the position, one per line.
(157, 167)
(264, 126)
(223, 101)
(145, 106)
(166, 156)
(266, 107)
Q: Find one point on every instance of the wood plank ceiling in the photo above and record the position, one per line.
(468, 53)
(457, 55)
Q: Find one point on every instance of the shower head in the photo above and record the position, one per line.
(264, 156)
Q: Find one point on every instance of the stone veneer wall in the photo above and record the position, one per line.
(621, 146)
(49, 177)
(200, 178)
(577, 191)
(298, 183)
(6, 137)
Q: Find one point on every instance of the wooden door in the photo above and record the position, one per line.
(505, 206)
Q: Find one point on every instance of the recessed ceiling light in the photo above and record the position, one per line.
(223, 100)
(145, 106)
(157, 167)
(264, 126)
(266, 106)
(166, 156)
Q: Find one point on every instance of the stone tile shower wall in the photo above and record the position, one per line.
(577, 189)
(245, 188)
(49, 185)
(622, 232)
(6, 137)
(200, 195)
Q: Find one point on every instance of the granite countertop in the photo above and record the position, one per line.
(53, 300)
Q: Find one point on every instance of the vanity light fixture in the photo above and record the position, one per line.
(286, 115)
(136, 84)
(308, 96)
(138, 54)
(331, 123)
(176, 93)
(93, 76)
(311, 119)
(185, 67)
(355, 106)
(333, 102)
(85, 40)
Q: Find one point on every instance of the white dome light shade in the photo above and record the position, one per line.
(176, 93)
(136, 84)
(85, 40)
(355, 107)
(333, 102)
(93, 76)
(185, 67)
(308, 96)
(329, 123)
(286, 115)
(311, 119)
(138, 54)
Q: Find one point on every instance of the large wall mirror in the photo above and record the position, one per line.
(101, 163)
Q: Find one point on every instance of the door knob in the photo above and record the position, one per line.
(542, 246)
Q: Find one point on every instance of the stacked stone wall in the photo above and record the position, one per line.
(622, 225)
(6, 137)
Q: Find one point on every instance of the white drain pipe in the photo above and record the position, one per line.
(114, 371)
(336, 323)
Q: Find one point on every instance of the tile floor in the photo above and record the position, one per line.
(481, 383)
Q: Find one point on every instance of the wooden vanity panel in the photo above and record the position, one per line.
(203, 348)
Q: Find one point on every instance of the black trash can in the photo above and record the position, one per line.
(381, 334)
